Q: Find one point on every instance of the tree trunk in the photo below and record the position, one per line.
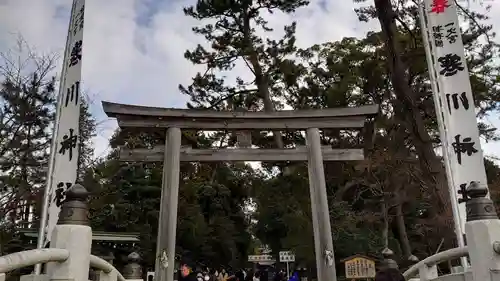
(261, 79)
(385, 214)
(411, 116)
(400, 221)
(263, 86)
(398, 179)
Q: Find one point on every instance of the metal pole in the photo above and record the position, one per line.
(444, 140)
(169, 225)
(325, 256)
(48, 182)
(287, 270)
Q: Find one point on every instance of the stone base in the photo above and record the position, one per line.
(457, 269)
(33, 277)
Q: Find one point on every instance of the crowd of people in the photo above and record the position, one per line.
(188, 273)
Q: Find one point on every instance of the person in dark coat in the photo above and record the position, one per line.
(389, 274)
(239, 276)
(186, 272)
(279, 276)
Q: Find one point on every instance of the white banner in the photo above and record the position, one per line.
(426, 34)
(455, 101)
(66, 147)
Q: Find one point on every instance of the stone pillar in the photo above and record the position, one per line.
(73, 233)
(133, 270)
(388, 267)
(482, 231)
(323, 241)
(110, 276)
(425, 273)
(388, 261)
(165, 250)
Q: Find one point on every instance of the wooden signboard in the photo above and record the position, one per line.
(359, 267)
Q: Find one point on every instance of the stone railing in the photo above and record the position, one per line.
(69, 257)
(427, 268)
(482, 231)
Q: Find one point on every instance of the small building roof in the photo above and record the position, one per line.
(96, 235)
(372, 258)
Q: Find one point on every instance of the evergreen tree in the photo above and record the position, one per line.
(233, 35)
(87, 131)
(27, 111)
(234, 38)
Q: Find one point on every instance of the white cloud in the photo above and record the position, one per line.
(133, 49)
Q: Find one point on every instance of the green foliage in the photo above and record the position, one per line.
(232, 35)
(26, 114)
(87, 132)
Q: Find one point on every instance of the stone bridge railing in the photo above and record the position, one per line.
(481, 256)
(38, 256)
(427, 268)
(482, 231)
(69, 257)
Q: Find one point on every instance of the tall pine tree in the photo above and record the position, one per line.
(233, 36)
(27, 111)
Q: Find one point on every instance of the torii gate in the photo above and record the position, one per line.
(171, 121)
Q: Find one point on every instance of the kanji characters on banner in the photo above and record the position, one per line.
(454, 102)
(64, 160)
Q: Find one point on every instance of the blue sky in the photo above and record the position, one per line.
(133, 49)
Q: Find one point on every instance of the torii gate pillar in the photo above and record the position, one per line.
(323, 242)
(167, 225)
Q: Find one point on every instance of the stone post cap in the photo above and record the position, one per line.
(75, 209)
(77, 193)
(413, 258)
(134, 257)
(388, 262)
(479, 207)
(475, 190)
(386, 252)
